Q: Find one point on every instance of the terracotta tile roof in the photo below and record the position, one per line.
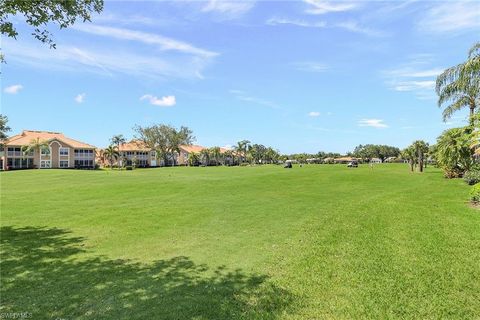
(192, 148)
(133, 145)
(136, 145)
(28, 135)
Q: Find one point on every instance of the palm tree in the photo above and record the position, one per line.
(193, 159)
(35, 145)
(205, 155)
(459, 86)
(454, 153)
(216, 154)
(421, 150)
(118, 140)
(242, 148)
(230, 155)
(410, 155)
(111, 153)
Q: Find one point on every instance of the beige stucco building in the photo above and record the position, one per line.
(60, 152)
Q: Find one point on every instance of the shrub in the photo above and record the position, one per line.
(451, 173)
(129, 167)
(475, 193)
(472, 177)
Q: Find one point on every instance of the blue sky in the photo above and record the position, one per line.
(301, 76)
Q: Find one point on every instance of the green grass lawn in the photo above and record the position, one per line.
(317, 242)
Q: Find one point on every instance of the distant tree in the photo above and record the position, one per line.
(4, 128)
(369, 151)
(41, 13)
(216, 154)
(112, 154)
(230, 156)
(177, 138)
(410, 155)
(242, 148)
(458, 87)
(205, 156)
(421, 152)
(193, 159)
(164, 139)
(117, 140)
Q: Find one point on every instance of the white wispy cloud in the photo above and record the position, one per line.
(79, 98)
(310, 66)
(354, 26)
(314, 114)
(243, 96)
(295, 22)
(351, 26)
(375, 123)
(13, 89)
(100, 60)
(451, 16)
(414, 85)
(162, 42)
(232, 9)
(323, 7)
(165, 101)
(416, 75)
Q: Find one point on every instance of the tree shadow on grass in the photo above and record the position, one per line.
(43, 273)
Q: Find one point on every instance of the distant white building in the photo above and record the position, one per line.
(375, 160)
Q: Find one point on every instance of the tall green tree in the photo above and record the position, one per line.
(4, 129)
(118, 140)
(177, 138)
(38, 14)
(164, 139)
(241, 148)
(112, 154)
(458, 87)
(421, 151)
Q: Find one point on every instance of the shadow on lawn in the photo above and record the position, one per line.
(40, 275)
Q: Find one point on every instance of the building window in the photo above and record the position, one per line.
(63, 151)
(45, 151)
(63, 163)
(45, 164)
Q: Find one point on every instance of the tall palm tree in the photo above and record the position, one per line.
(35, 145)
(459, 86)
(242, 148)
(111, 153)
(421, 150)
(117, 140)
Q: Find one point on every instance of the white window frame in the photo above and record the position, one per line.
(45, 154)
(43, 164)
(60, 163)
(60, 152)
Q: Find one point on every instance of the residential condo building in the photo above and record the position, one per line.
(59, 152)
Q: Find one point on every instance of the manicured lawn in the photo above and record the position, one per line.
(321, 241)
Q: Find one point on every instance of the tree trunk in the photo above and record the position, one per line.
(411, 165)
(472, 114)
